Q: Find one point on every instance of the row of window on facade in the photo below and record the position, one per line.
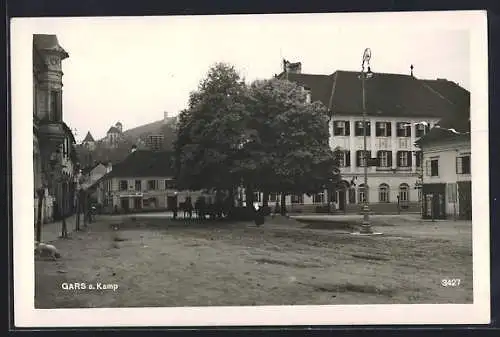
(382, 129)
(151, 185)
(384, 158)
(462, 165)
(322, 198)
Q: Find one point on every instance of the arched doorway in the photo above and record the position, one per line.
(363, 194)
(341, 194)
(383, 193)
(404, 198)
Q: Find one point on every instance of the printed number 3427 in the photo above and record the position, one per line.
(455, 282)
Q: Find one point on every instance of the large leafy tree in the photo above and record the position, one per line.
(209, 130)
(265, 136)
(290, 152)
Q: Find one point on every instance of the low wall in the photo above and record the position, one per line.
(377, 208)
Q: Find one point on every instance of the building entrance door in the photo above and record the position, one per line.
(341, 198)
(124, 203)
(138, 203)
(435, 206)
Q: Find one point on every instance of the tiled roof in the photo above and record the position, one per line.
(142, 163)
(459, 121)
(113, 129)
(386, 94)
(89, 138)
(440, 135)
(69, 133)
(319, 85)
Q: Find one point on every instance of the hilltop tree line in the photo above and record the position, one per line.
(264, 137)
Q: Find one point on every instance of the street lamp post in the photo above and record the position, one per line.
(366, 226)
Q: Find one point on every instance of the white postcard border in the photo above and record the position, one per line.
(22, 175)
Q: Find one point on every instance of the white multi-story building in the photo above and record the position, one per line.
(400, 109)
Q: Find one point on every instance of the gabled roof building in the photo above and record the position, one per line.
(400, 109)
(144, 180)
(446, 179)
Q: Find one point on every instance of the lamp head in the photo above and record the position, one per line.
(369, 73)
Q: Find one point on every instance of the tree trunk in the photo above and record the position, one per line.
(77, 218)
(40, 194)
(84, 209)
(283, 203)
(249, 197)
(265, 199)
(89, 209)
(64, 232)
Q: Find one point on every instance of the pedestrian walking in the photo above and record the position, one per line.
(259, 215)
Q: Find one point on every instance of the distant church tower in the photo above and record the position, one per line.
(89, 142)
(119, 126)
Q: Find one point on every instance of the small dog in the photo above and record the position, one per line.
(43, 249)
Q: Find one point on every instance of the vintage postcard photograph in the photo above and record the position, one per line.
(243, 170)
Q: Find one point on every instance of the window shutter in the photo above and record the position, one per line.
(389, 158)
(347, 128)
(409, 154)
(348, 158)
(377, 129)
(358, 158)
(389, 130)
(408, 130)
(458, 165)
(427, 168)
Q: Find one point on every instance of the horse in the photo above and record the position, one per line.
(200, 207)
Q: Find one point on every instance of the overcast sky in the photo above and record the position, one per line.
(133, 69)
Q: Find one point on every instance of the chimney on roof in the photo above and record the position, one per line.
(294, 68)
(165, 117)
(411, 70)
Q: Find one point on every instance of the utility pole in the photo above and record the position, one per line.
(366, 226)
